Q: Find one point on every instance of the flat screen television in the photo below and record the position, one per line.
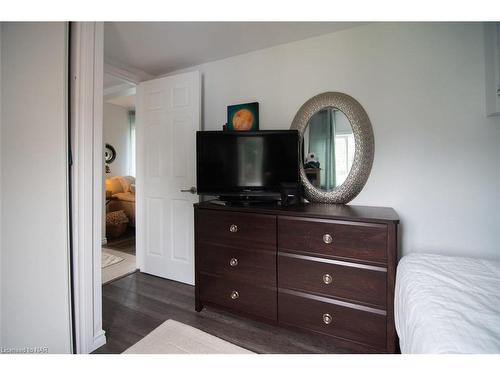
(246, 164)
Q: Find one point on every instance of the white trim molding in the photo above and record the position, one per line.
(119, 90)
(128, 77)
(124, 73)
(86, 90)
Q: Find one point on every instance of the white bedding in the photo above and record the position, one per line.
(447, 304)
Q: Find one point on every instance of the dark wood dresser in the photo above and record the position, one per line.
(324, 268)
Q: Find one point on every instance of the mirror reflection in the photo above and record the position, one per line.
(328, 147)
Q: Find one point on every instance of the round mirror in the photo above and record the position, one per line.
(328, 148)
(337, 147)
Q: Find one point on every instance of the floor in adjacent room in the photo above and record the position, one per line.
(123, 250)
(138, 303)
(125, 243)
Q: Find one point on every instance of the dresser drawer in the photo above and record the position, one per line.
(358, 241)
(258, 267)
(236, 229)
(345, 322)
(356, 282)
(239, 296)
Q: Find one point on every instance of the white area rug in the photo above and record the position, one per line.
(120, 264)
(173, 337)
(109, 259)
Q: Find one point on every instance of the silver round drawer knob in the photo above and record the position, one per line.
(327, 318)
(233, 228)
(327, 278)
(235, 294)
(233, 262)
(327, 238)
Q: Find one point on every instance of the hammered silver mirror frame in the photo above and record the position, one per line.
(363, 142)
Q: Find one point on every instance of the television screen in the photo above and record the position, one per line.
(246, 162)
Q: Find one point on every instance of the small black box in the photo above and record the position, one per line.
(291, 194)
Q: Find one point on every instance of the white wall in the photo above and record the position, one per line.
(436, 157)
(117, 133)
(34, 242)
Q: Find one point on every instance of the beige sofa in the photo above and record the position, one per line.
(120, 195)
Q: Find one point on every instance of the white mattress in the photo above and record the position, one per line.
(447, 304)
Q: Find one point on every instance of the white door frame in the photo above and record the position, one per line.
(87, 68)
(86, 98)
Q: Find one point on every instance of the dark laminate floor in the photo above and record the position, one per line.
(136, 304)
(125, 242)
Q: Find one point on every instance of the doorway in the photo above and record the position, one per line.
(118, 257)
(167, 116)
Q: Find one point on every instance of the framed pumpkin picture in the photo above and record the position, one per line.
(243, 117)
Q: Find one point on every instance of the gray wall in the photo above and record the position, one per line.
(436, 154)
(35, 304)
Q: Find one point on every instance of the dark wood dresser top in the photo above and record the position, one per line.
(315, 210)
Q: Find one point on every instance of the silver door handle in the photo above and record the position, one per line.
(192, 190)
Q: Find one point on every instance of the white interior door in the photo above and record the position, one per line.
(168, 116)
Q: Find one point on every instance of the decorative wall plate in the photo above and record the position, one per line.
(109, 153)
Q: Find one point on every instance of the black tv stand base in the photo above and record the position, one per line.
(245, 201)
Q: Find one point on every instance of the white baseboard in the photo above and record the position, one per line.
(99, 340)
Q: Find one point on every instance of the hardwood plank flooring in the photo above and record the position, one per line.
(138, 303)
(125, 242)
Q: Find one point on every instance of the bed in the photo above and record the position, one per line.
(447, 304)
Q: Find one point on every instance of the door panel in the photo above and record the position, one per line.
(168, 116)
(153, 226)
(180, 232)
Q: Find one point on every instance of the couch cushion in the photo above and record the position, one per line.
(126, 182)
(119, 184)
(128, 197)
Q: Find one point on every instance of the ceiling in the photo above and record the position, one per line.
(126, 101)
(110, 81)
(162, 47)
